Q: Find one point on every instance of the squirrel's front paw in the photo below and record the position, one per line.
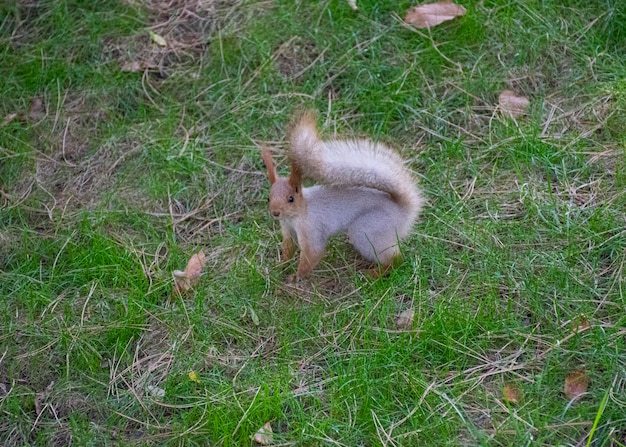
(295, 281)
(292, 280)
(378, 272)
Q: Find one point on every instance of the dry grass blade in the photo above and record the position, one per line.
(134, 66)
(432, 14)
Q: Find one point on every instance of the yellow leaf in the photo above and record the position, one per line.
(160, 41)
(193, 376)
(432, 14)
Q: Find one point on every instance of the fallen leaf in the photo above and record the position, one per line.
(193, 377)
(254, 316)
(135, 66)
(581, 324)
(432, 14)
(160, 41)
(184, 281)
(513, 105)
(404, 320)
(36, 109)
(41, 397)
(7, 119)
(576, 384)
(155, 391)
(264, 435)
(512, 394)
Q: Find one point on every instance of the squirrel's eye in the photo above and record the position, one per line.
(290, 199)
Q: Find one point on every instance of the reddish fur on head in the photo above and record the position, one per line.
(286, 199)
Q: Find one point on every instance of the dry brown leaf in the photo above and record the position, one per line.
(432, 14)
(264, 435)
(576, 384)
(512, 394)
(513, 105)
(36, 109)
(404, 320)
(39, 400)
(7, 119)
(41, 397)
(184, 281)
(581, 324)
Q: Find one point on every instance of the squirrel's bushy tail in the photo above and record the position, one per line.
(353, 163)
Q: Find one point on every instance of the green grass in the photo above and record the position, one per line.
(120, 176)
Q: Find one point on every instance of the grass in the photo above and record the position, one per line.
(112, 175)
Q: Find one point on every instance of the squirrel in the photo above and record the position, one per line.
(364, 191)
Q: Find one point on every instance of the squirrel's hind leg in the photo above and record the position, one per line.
(382, 270)
(379, 246)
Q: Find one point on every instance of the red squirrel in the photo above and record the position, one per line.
(364, 190)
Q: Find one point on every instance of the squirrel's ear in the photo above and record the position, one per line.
(295, 179)
(269, 164)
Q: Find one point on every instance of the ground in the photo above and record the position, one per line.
(129, 140)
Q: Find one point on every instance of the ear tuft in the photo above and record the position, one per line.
(269, 164)
(295, 179)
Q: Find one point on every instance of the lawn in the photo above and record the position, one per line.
(129, 140)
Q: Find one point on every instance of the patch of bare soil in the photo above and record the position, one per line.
(295, 57)
(68, 169)
(331, 281)
(22, 22)
(178, 34)
(74, 185)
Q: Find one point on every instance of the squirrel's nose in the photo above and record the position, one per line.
(275, 213)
